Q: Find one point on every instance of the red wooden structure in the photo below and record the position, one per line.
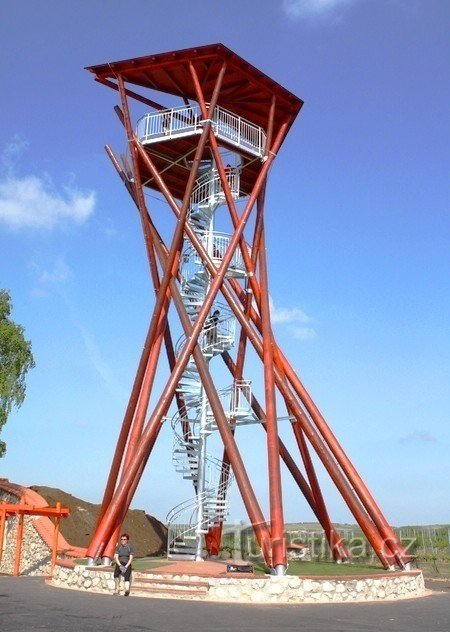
(212, 132)
(7, 510)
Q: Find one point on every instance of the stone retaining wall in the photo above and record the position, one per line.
(291, 589)
(78, 577)
(36, 555)
(268, 589)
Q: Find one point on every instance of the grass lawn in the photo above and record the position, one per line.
(147, 564)
(325, 568)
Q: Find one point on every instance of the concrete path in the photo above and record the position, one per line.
(28, 604)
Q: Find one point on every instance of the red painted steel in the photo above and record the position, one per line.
(2, 529)
(317, 492)
(391, 541)
(18, 551)
(335, 473)
(172, 262)
(337, 476)
(273, 447)
(22, 510)
(214, 75)
(248, 496)
(331, 534)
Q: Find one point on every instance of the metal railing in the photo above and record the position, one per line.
(216, 243)
(235, 400)
(182, 520)
(236, 403)
(214, 334)
(187, 120)
(218, 246)
(239, 131)
(183, 120)
(209, 186)
(241, 394)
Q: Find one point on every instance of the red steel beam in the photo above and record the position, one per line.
(249, 294)
(214, 536)
(164, 402)
(55, 538)
(12, 509)
(142, 383)
(173, 256)
(332, 535)
(2, 529)
(18, 551)
(308, 420)
(273, 448)
(338, 477)
(350, 471)
(336, 474)
(317, 492)
(131, 93)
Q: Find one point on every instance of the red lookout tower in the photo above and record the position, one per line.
(212, 131)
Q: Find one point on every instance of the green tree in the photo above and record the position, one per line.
(15, 361)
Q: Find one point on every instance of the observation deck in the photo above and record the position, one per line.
(186, 121)
(242, 113)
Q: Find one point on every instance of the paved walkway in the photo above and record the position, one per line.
(208, 568)
(27, 604)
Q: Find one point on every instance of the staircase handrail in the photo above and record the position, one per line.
(187, 411)
(209, 185)
(191, 504)
(228, 317)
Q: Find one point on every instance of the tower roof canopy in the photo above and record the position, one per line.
(246, 91)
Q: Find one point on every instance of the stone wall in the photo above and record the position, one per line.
(293, 589)
(78, 577)
(35, 556)
(267, 589)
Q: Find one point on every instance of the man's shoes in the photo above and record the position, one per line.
(115, 593)
(127, 593)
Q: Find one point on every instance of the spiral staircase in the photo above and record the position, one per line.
(189, 521)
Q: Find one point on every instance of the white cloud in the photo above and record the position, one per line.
(94, 355)
(287, 315)
(302, 333)
(294, 318)
(11, 152)
(299, 9)
(32, 202)
(58, 274)
(418, 437)
(47, 279)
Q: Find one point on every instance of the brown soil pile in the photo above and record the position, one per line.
(147, 535)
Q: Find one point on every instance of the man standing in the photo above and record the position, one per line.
(123, 558)
(210, 328)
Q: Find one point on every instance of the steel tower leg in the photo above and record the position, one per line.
(136, 439)
(334, 539)
(273, 448)
(148, 435)
(173, 256)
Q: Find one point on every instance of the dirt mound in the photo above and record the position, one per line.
(147, 534)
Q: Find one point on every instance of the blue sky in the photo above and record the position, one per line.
(358, 226)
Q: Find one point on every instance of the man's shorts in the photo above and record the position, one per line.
(126, 575)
